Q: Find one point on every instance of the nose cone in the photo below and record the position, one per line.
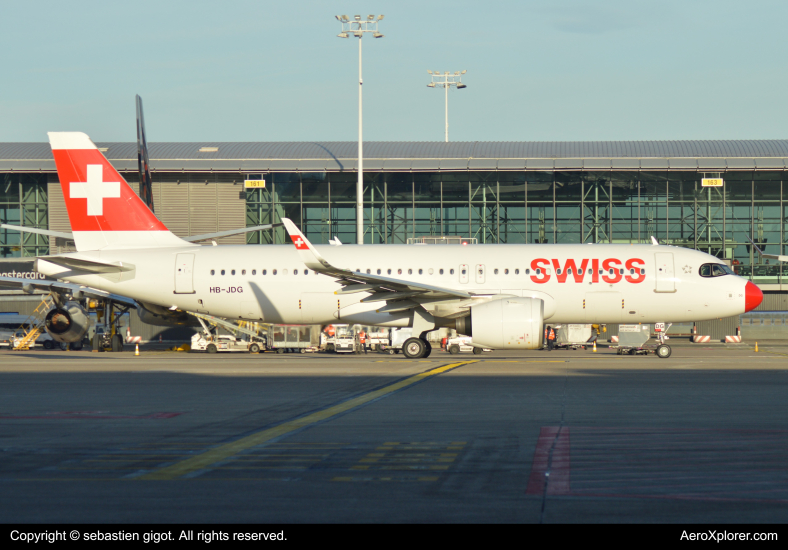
(752, 296)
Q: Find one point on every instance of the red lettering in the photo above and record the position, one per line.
(577, 273)
(541, 277)
(615, 265)
(636, 264)
(595, 269)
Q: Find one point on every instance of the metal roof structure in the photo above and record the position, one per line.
(416, 156)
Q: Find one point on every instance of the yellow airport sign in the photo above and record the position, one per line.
(711, 182)
(254, 184)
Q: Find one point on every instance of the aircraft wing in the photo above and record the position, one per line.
(399, 295)
(60, 287)
(777, 257)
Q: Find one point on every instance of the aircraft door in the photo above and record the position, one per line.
(464, 269)
(666, 281)
(184, 274)
(479, 274)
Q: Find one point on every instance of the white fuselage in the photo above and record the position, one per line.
(617, 284)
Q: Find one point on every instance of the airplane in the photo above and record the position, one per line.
(501, 295)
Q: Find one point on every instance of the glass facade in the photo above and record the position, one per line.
(539, 207)
(23, 201)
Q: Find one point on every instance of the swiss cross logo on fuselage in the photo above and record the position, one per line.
(95, 190)
(610, 270)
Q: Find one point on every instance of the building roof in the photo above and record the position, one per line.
(412, 155)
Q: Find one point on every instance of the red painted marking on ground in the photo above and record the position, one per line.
(90, 415)
(559, 471)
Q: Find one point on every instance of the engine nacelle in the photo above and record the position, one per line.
(163, 317)
(509, 323)
(67, 324)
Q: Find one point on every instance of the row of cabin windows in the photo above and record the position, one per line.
(431, 271)
(262, 272)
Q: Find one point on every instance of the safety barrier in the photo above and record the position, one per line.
(733, 339)
(701, 339)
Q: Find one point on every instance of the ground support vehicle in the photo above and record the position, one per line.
(343, 341)
(397, 337)
(574, 336)
(378, 339)
(463, 343)
(213, 343)
(292, 338)
(632, 340)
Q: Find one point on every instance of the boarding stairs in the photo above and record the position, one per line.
(33, 326)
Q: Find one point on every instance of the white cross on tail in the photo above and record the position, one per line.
(95, 190)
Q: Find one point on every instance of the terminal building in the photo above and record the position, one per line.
(706, 195)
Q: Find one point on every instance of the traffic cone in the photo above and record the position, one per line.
(137, 349)
(594, 346)
(756, 347)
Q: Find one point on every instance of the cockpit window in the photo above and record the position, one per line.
(715, 270)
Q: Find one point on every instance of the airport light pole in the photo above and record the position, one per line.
(357, 27)
(446, 81)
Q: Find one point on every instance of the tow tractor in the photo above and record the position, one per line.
(463, 343)
(632, 340)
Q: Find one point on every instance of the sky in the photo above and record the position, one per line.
(559, 70)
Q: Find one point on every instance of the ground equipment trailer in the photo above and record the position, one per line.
(574, 336)
(632, 340)
(211, 341)
(292, 338)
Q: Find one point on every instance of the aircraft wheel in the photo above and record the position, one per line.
(76, 346)
(48, 344)
(454, 349)
(117, 343)
(211, 348)
(663, 351)
(429, 350)
(632, 351)
(97, 343)
(478, 351)
(414, 348)
(254, 348)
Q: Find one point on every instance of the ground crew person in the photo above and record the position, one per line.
(550, 338)
(362, 338)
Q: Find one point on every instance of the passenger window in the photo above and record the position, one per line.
(569, 271)
(284, 272)
(213, 272)
(399, 272)
(506, 271)
(243, 272)
(631, 271)
(368, 272)
(410, 272)
(495, 271)
(273, 272)
(419, 271)
(440, 271)
(516, 271)
(222, 271)
(557, 271)
(388, 271)
(620, 271)
(264, 272)
(430, 271)
(378, 272)
(642, 271)
(590, 271)
(295, 272)
(232, 272)
(527, 271)
(538, 271)
(254, 272)
(612, 271)
(306, 272)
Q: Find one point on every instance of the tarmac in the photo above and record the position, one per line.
(503, 437)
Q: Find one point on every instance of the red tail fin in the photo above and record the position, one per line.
(104, 211)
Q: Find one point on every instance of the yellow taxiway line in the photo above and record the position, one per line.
(223, 452)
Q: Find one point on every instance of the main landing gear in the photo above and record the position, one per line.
(416, 348)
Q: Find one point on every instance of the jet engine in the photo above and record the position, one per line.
(508, 323)
(163, 317)
(68, 323)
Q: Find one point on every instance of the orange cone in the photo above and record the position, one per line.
(137, 350)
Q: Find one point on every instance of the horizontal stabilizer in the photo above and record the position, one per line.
(90, 266)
